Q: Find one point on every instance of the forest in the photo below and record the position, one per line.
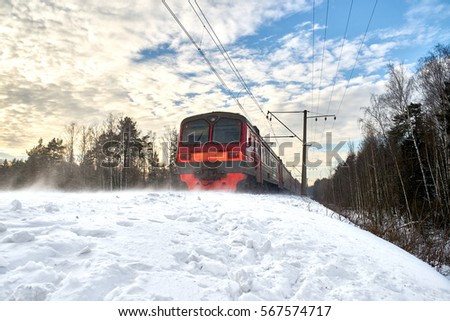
(397, 184)
(114, 156)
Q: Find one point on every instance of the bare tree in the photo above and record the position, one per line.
(399, 90)
(70, 136)
(377, 112)
(433, 79)
(86, 141)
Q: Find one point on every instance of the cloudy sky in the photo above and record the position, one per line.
(81, 60)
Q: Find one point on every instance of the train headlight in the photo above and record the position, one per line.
(185, 157)
(234, 154)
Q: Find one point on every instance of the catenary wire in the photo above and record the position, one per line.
(344, 38)
(313, 53)
(210, 30)
(213, 69)
(357, 58)
(321, 67)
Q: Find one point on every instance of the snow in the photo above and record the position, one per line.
(142, 245)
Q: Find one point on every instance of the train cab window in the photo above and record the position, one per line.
(227, 130)
(195, 132)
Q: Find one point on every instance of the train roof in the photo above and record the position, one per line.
(217, 114)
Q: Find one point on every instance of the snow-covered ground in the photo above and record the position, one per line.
(141, 245)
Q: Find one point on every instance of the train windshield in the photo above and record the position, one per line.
(227, 130)
(195, 132)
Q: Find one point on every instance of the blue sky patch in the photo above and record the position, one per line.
(147, 54)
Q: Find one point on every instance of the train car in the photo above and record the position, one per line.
(224, 151)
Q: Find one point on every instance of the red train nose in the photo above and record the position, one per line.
(228, 183)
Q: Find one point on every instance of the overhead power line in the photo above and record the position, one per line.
(323, 53)
(313, 53)
(344, 38)
(357, 56)
(213, 69)
(211, 32)
(340, 55)
(321, 67)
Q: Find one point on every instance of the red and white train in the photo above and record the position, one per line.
(223, 151)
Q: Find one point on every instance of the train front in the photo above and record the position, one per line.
(211, 151)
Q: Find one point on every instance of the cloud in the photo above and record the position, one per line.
(425, 9)
(424, 21)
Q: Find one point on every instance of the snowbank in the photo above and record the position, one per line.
(197, 246)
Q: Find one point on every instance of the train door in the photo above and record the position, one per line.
(258, 161)
(280, 173)
(253, 152)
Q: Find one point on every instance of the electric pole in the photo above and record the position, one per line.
(304, 180)
(304, 158)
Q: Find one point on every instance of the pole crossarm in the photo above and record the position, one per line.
(323, 116)
(269, 114)
(283, 136)
(287, 112)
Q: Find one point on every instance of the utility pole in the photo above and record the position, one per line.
(305, 145)
(304, 181)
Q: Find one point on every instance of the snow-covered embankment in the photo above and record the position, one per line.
(196, 246)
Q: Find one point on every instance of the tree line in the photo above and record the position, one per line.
(115, 156)
(397, 184)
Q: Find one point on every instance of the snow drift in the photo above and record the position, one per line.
(197, 246)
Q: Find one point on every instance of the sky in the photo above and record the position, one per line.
(78, 61)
